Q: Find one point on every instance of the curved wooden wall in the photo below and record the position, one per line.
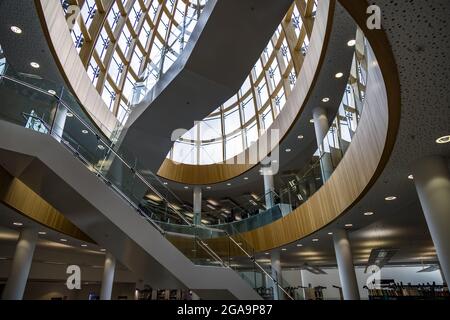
(215, 173)
(16, 195)
(364, 160)
(70, 65)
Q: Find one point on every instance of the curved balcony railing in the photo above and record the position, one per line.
(59, 115)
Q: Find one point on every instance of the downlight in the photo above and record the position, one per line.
(443, 140)
(351, 43)
(16, 29)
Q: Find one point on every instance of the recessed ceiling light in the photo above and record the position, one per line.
(299, 245)
(444, 139)
(275, 161)
(288, 150)
(42, 233)
(102, 250)
(228, 184)
(266, 253)
(69, 114)
(339, 75)
(349, 225)
(391, 198)
(326, 100)
(84, 245)
(300, 137)
(411, 177)
(186, 187)
(315, 240)
(165, 183)
(63, 240)
(84, 131)
(351, 43)
(245, 178)
(330, 233)
(18, 224)
(369, 213)
(209, 188)
(311, 121)
(16, 29)
(34, 65)
(284, 249)
(101, 147)
(51, 91)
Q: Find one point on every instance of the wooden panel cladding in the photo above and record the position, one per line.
(70, 65)
(16, 195)
(216, 173)
(364, 160)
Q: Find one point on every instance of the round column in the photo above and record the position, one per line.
(276, 274)
(108, 277)
(197, 205)
(321, 128)
(20, 267)
(432, 181)
(346, 268)
(59, 122)
(269, 187)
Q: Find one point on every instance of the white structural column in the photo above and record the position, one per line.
(346, 268)
(59, 122)
(276, 274)
(432, 180)
(269, 187)
(321, 128)
(21, 264)
(108, 277)
(197, 205)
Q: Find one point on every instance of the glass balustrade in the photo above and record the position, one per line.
(32, 105)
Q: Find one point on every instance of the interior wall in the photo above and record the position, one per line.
(405, 274)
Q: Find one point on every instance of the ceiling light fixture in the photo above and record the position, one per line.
(18, 224)
(102, 250)
(42, 233)
(300, 137)
(288, 150)
(165, 183)
(69, 114)
(442, 140)
(390, 198)
(326, 99)
(299, 245)
(101, 147)
(186, 187)
(284, 249)
(16, 29)
(330, 233)
(339, 75)
(351, 43)
(315, 240)
(368, 214)
(349, 225)
(63, 240)
(84, 131)
(53, 92)
(228, 184)
(34, 65)
(411, 177)
(209, 188)
(266, 253)
(245, 178)
(84, 245)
